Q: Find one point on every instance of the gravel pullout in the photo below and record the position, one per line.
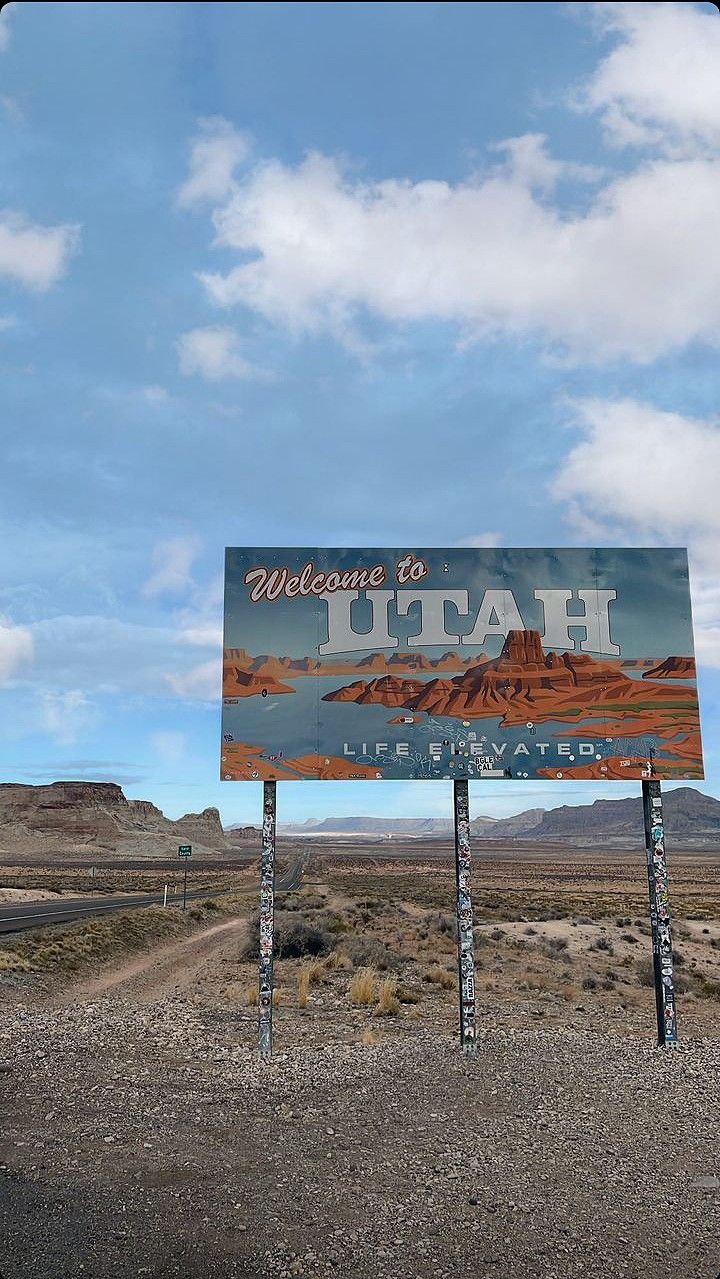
(144, 1140)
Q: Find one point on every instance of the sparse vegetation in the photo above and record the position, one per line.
(364, 988)
(438, 976)
(388, 1004)
(70, 947)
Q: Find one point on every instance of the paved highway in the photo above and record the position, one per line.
(15, 918)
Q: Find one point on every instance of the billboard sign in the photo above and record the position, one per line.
(464, 663)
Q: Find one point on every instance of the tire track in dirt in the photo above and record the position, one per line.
(168, 970)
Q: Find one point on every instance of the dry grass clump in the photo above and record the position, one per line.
(388, 1004)
(369, 1037)
(303, 988)
(438, 976)
(364, 988)
(309, 975)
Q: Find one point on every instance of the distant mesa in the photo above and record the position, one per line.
(673, 668)
(95, 818)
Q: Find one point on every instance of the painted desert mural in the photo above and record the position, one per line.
(532, 709)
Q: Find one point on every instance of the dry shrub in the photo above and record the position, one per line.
(251, 996)
(277, 997)
(439, 977)
(369, 952)
(571, 993)
(388, 1004)
(294, 937)
(363, 988)
(337, 959)
(369, 1038)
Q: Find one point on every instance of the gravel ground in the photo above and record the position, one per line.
(145, 1138)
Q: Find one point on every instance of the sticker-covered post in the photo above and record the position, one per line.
(267, 912)
(659, 914)
(466, 946)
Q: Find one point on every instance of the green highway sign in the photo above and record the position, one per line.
(185, 850)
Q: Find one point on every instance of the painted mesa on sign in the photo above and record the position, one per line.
(568, 696)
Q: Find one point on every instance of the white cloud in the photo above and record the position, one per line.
(660, 85)
(172, 559)
(624, 273)
(215, 153)
(16, 648)
(202, 683)
(67, 715)
(34, 256)
(214, 353)
(490, 254)
(641, 474)
(7, 322)
(481, 540)
(634, 462)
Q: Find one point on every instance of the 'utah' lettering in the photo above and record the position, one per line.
(497, 614)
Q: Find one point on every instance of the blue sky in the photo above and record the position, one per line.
(345, 275)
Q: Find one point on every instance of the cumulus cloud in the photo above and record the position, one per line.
(16, 648)
(317, 249)
(640, 474)
(622, 273)
(34, 256)
(660, 84)
(172, 560)
(67, 715)
(214, 353)
(215, 153)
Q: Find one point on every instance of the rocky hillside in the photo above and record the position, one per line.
(688, 814)
(78, 817)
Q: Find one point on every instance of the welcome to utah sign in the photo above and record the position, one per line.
(344, 664)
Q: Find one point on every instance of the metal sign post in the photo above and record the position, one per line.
(466, 946)
(659, 914)
(185, 851)
(267, 908)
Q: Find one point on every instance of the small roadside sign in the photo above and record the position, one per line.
(185, 850)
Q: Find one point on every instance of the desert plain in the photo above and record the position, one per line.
(141, 1135)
